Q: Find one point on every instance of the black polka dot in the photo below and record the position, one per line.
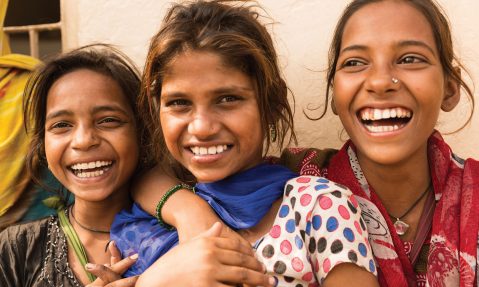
(289, 187)
(299, 285)
(279, 267)
(312, 245)
(336, 246)
(268, 251)
(351, 206)
(293, 201)
(353, 256)
(363, 226)
(297, 218)
(337, 193)
(322, 244)
(288, 279)
(303, 234)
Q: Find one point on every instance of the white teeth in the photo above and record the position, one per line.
(212, 150)
(87, 174)
(90, 165)
(377, 114)
(370, 114)
(382, 129)
(208, 150)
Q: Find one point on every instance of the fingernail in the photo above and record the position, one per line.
(113, 243)
(89, 266)
(134, 256)
(271, 281)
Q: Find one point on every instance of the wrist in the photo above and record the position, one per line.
(161, 215)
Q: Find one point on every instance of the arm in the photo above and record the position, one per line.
(207, 260)
(348, 274)
(180, 209)
(343, 252)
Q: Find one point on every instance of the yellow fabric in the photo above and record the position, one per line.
(4, 45)
(14, 73)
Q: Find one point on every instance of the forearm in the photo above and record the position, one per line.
(180, 210)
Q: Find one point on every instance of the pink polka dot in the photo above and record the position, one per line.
(326, 265)
(297, 264)
(325, 202)
(305, 199)
(307, 277)
(343, 211)
(316, 265)
(286, 247)
(275, 231)
(353, 200)
(301, 188)
(358, 227)
(303, 179)
(313, 284)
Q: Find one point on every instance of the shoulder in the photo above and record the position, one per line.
(32, 230)
(315, 185)
(306, 160)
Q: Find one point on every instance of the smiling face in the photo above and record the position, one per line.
(90, 139)
(210, 117)
(389, 121)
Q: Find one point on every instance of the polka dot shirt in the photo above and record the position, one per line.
(318, 226)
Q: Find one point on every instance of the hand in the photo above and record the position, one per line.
(207, 260)
(109, 275)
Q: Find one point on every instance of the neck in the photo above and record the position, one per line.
(398, 185)
(97, 215)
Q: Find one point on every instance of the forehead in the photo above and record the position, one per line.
(202, 70)
(85, 88)
(385, 23)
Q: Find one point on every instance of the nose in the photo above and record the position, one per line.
(85, 137)
(204, 125)
(381, 81)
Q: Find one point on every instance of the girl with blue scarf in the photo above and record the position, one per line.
(212, 80)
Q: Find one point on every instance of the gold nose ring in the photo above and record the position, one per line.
(395, 80)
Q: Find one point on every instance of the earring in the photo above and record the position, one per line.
(395, 80)
(272, 132)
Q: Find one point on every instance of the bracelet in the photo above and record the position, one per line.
(163, 200)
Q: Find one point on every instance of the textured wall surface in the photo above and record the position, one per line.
(302, 30)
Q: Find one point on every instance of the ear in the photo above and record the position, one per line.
(452, 93)
(333, 106)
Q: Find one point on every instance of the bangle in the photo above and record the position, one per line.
(163, 200)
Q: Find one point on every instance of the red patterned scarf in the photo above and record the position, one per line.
(452, 258)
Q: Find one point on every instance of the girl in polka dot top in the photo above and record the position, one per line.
(214, 84)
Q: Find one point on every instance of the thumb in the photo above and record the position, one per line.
(213, 231)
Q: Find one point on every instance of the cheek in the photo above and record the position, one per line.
(171, 129)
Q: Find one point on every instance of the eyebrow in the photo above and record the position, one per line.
(221, 90)
(416, 43)
(97, 109)
(400, 44)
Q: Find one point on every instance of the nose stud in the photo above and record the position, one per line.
(395, 80)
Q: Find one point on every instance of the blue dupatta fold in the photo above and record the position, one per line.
(241, 201)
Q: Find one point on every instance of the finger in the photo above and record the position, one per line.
(234, 244)
(115, 253)
(213, 231)
(234, 258)
(125, 282)
(103, 272)
(243, 275)
(123, 265)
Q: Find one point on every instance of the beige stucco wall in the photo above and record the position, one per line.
(302, 31)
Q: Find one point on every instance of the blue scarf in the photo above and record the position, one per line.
(241, 201)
